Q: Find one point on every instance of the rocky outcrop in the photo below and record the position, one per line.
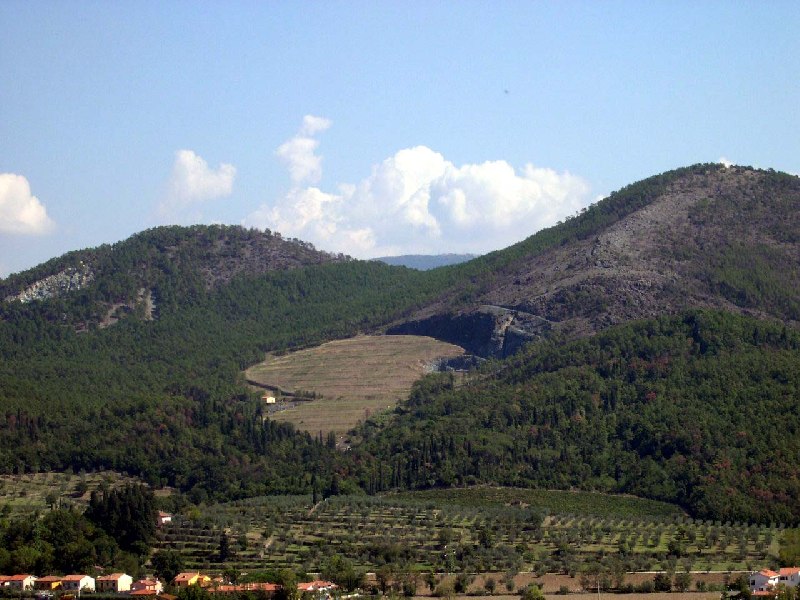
(69, 280)
(489, 332)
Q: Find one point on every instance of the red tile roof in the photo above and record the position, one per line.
(310, 586)
(768, 573)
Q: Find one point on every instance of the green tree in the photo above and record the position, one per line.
(167, 564)
(683, 581)
(532, 592)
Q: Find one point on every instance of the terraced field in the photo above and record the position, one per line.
(421, 532)
(31, 492)
(356, 378)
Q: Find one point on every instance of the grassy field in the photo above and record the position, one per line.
(357, 377)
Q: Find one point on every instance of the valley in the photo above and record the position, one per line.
(632, 413)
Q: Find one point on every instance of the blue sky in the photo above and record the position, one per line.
(373, 127)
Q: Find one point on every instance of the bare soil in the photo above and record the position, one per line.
(357, 378)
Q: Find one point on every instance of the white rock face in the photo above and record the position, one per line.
(53, 286)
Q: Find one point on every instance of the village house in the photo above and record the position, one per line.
(18, 582)
(48, 583)
(265, 588)
(316, 586)
(187, 579)
(789, 576)
(151, 587)
(116, 583)
(767, 580)
(77, 583)
(163, 517)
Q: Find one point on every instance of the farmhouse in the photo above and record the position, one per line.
(187, 579)
(17, 582)
(789, 576)
(116, 583)
(316, 586)
(77, 583)
(268, 399)
(49, 583)
(163, 517)
(151, 587)
(766, 579)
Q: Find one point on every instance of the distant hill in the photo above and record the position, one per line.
(424, 262)
(164, 265)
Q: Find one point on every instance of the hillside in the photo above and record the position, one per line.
(155, 270)
(160, 393)
(703, 236)
(161, 396)
(348, 380)
(693, 409)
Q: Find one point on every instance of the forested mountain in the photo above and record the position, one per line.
(160, 393)
(155, 270)
(698, 409)
(702, 236)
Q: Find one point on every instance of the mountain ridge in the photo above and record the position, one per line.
(164, 393)
(682, 246)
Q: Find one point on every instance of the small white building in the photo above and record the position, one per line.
(268, 399)
(18, 582)
(115, 583)
(76, 583)
(163, 517)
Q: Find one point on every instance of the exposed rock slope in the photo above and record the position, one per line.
(710, 237)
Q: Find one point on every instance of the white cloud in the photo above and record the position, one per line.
(192, 181)
(416, 201)
(299, 153)
(725, 162)
(20, 211)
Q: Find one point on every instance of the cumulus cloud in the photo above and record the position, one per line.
(725, 162)
(192, 182)
(20, 211)
(299, 153)
(417, 201)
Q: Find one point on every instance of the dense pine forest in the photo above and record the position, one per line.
(138, 369)
(696, 409)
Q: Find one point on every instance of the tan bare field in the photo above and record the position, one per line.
(552, 582)
(357, 377)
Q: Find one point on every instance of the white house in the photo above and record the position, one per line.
(116, 583)
(77, 583)
(18, 582)
(163, 517)
(789, 576)
(766, 580)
